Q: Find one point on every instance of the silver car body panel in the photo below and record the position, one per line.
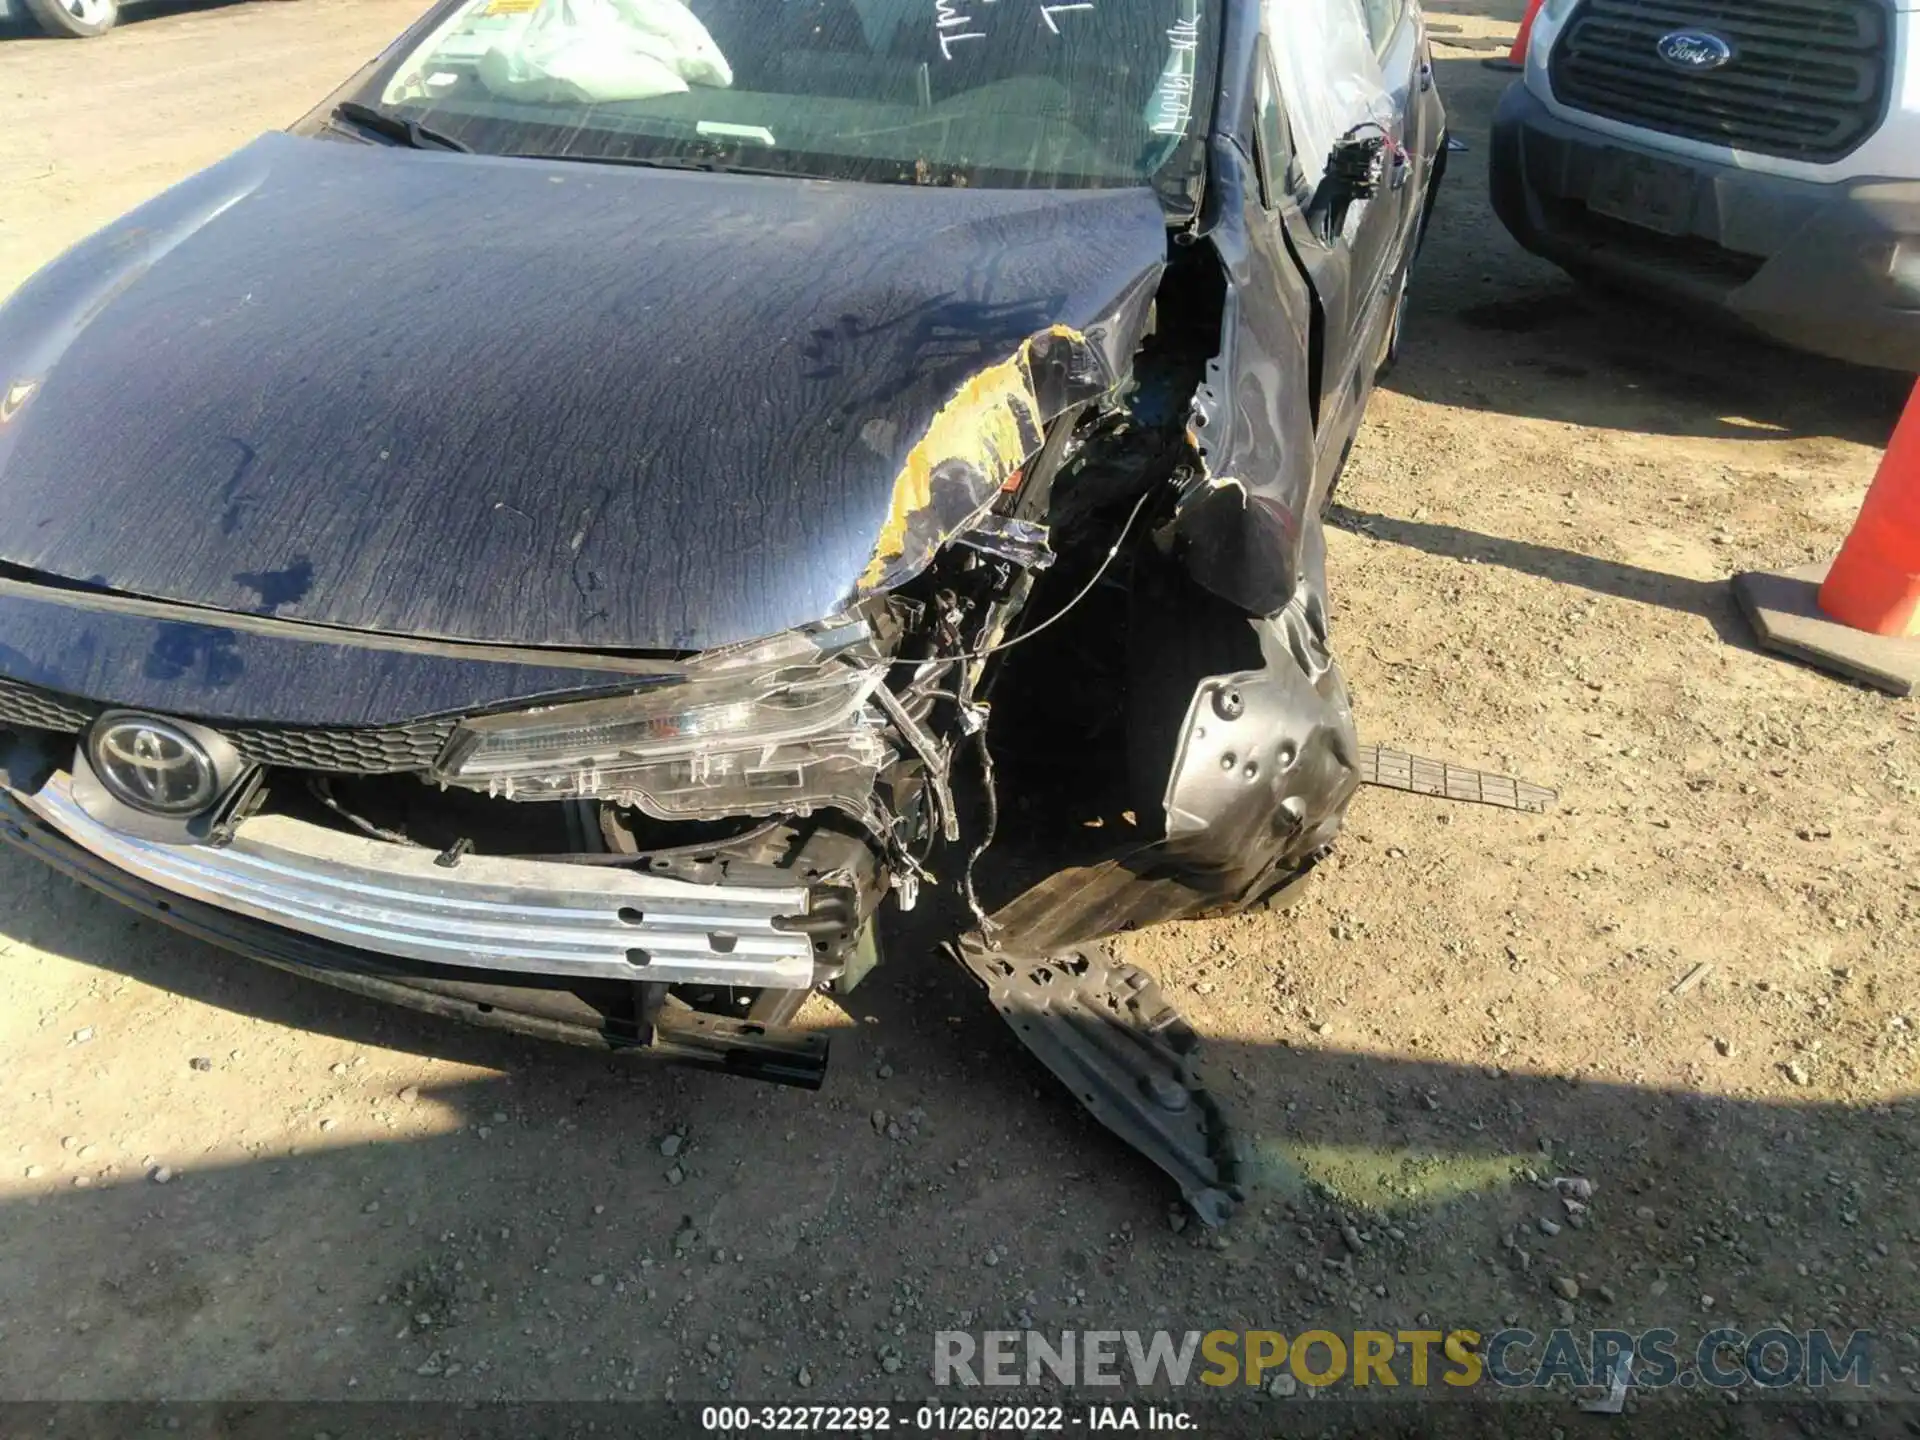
(483, 912)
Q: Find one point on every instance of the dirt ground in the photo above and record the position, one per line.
(1528, 575)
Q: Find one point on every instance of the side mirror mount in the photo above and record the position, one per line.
(1356, 168)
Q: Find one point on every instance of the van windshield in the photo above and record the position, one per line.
(1022, 93)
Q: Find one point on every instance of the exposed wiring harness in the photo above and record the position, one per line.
(1113, 553)
(976, 716)
(919, 741)
(992, 802)
(322, 790)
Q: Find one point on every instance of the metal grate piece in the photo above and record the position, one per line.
(1397, 770)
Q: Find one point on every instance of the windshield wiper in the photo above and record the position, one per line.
(410, 133)
(659, 162)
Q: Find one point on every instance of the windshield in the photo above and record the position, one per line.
(943, 92)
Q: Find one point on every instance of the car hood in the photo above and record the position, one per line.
(524, 402)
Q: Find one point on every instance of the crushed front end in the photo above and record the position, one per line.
(669, 850)
(674, 863)
(612, 702)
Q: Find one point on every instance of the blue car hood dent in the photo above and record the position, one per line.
(523, 402)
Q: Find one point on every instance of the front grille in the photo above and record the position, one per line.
(373, 751)
(43, 709)
(361, 750)
(1808, 79)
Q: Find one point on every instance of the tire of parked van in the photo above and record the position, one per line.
(75, 19)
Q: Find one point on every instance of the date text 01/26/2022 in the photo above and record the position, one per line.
(939, 1419)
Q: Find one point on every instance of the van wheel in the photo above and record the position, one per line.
(75, 19)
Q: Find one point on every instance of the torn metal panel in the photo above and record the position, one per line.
(1243, 521)
(1300, 332)
(1259, 776)
(1267, 761)
(975, 445)
(1245, 517)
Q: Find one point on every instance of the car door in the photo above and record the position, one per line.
(1398, 35)
(1337, 82)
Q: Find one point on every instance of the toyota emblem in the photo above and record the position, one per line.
(151, 765)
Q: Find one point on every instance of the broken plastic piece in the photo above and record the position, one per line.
(1357, 166)
(1105, 1031)
(1021, 541)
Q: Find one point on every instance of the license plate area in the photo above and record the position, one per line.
(1656, 195)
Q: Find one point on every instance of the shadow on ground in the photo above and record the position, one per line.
(1711, 600)
(529, 1240)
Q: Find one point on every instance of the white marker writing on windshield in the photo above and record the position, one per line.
(1047, 12)
(949, 23)
(1174, 95)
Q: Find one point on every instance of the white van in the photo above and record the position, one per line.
(1761, 157)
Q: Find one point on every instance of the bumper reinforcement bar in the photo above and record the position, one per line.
(486, 912)
(779, 1054)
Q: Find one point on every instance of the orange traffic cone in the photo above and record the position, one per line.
(1863, 619)
(1516, 58)
(1875, 584)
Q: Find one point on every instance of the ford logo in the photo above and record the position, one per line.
(1694, 50)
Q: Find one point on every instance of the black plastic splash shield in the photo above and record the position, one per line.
(1106, 1032)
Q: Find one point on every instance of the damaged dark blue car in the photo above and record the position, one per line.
(626, 488)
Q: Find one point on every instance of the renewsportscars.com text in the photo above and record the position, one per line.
(1459, 1359)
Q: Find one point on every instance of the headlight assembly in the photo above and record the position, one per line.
(778, 725)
